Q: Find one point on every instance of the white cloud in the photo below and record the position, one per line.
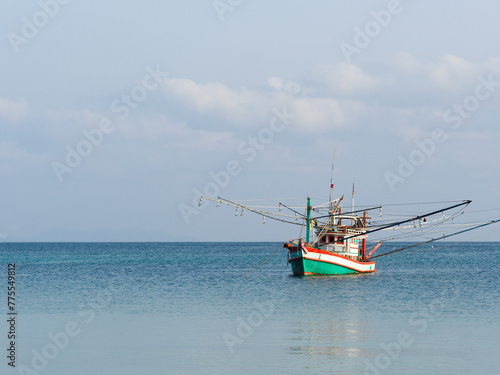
(13, 110)
(240, 106)
(407, 63)
(318, 114)
(202, 140)
(395, 96)
(254, 108)
(343, 78)
(205, 97)
(450, 74)
(176, 135)
(279, 84)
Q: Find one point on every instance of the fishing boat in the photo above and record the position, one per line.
(338, 249)
(336, 242)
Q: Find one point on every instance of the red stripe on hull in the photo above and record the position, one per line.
(319, 251)
(343, 265)
(358, 270)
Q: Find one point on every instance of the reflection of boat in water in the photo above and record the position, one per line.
(330, 338)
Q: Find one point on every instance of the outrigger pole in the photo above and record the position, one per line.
(412, 219)
(437, 239)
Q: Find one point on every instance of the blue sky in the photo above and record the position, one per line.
(156, 98)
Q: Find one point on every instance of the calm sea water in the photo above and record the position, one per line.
(183, 308)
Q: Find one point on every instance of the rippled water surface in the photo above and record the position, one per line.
(183, 308)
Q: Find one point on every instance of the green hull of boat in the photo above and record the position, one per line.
(312, 267)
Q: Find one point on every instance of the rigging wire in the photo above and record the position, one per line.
(264, 199)
(454, 243)
(390, 225)
(490, 209)
(291, 209)
(263, 213)
(424, 232)
(418, 203)
(427, 224)
(435, 239)
(427, 230)
(269, 257)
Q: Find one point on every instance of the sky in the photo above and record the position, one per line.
(115, 116)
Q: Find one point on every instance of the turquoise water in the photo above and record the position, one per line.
(182, 308)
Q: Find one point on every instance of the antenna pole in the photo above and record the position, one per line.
(331, 183)
(352, 197)
(308, 220)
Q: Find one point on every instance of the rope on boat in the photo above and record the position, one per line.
(269, 257)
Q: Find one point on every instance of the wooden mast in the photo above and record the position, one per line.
(363, 246)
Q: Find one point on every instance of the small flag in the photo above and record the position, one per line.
(353, 190)
(331, 186)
